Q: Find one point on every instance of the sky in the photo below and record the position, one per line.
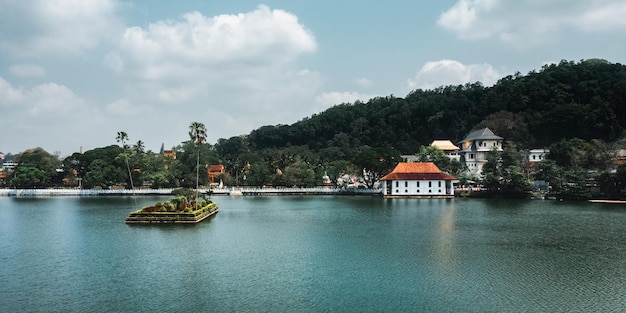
(73, 73)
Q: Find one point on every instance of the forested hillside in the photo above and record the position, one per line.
(577, 110)
(569, 100)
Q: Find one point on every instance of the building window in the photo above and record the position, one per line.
(439, 183)
(430, 191)
(439, 190)
(406, 191)
(396, 184)
(418, 184)
(430, 184)
(406, 184)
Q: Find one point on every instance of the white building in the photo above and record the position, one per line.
(535, 155)
(417, 180)
(474, 148)
(448, 148)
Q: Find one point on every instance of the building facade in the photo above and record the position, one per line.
(417, 180)
(474, 148)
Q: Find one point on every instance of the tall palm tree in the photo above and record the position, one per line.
(140, 146)
(122, 137)
(197, 133)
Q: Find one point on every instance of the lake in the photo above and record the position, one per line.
(314, 254)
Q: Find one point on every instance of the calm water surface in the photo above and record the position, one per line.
(314, 254)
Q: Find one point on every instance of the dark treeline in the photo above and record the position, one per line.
(567, 100)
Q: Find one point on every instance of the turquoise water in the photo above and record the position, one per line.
(314, 254)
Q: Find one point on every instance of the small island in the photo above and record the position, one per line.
(176, 210)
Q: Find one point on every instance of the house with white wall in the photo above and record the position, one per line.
(474, 148)
(417, 180)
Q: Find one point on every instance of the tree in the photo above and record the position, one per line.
(30, 177)
(570, 153)
(102, 173)
(299, 173)
(140, 147)
(376, 162)
(122, 137)
(37, 168)
(502, 174)
(433, 154)
(197, 134)
(491, 174)
(548, 171)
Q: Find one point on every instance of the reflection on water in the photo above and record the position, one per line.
(314, 254)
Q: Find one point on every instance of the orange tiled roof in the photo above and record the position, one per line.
(216, 168)
(445, 145)
(417, 171)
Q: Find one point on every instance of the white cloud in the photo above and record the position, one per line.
(43, 27)
(50, 99)
(259, 38)
(449, 72)
(27, 70)
(530, 22)
(237, 71)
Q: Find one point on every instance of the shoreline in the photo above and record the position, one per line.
(56, 192)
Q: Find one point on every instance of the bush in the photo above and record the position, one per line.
(169, 206)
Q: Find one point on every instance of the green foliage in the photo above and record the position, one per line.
(547, 170)
(574, 108)
(564, 100)
(300, 174)
(179, 202)
(36, 169)
(377, 162)
(30, 177)
(502, 173)
(443, 162)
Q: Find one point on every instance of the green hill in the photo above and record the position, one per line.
(567, 100)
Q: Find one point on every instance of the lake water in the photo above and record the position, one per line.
(314, 254)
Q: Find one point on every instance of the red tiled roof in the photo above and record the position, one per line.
(216, 168)
(417, 171)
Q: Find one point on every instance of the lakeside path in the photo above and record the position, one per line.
(151, 192)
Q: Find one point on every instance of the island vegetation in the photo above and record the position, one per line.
(176, 210)
(575, 109)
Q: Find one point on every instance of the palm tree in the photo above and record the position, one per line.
(140, 146)
(197, 133)
(122, 137)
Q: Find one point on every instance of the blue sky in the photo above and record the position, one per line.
(75, 72)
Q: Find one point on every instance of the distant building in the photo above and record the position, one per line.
(214, 171)
(535, 155)
(419, 179)
(410, 157)
(448, 148)
(9, 166)
(475, 146)
(169, 153)
(619, 158)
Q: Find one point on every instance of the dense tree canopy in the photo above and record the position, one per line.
(566, 100)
